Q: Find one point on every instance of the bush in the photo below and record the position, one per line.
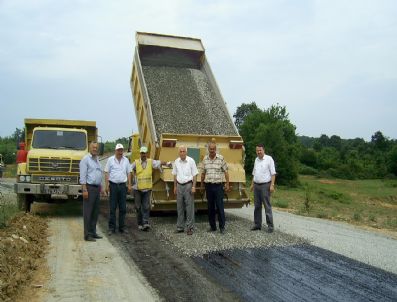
(280, 203)
(306, 170)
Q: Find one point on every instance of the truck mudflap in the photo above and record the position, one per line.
(48, 189)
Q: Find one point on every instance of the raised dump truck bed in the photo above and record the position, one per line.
(177, 102)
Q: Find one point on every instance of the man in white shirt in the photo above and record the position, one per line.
(184, 170)
(117, 176)
(264, 176)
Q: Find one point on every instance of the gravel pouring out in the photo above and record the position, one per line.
(183, 101)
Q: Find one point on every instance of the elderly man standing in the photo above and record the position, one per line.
(184, 171)
(90, 180)
(264, 176)
(143, 170)
(213, 169)
(117, 177)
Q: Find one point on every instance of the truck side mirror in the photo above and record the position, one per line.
(101, 148)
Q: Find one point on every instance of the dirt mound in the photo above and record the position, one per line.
(23, 246)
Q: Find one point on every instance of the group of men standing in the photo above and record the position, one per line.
(214, 180)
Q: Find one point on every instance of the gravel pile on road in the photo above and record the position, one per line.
(237, 236)
(183, 101)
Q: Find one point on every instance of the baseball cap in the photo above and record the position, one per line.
(143, 149)
(119, 146)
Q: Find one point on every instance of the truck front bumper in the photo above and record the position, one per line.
(39, 189)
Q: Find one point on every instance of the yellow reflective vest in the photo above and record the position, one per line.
(144, 176)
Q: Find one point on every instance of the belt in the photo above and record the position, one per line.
(213, 183)
(182, 184)
(262, 183)
(117, 184)
(96, 186)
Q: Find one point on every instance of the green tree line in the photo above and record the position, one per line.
(324, 156)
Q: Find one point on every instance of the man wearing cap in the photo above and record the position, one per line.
(184, 171)
(90, 180)
(143, 169)
(117, 178)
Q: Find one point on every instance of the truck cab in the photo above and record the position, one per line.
(54, 150)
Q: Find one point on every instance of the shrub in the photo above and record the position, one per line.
(280, 203)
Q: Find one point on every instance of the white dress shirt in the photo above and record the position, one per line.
(263, 169)
(118, 170)
(184, 170)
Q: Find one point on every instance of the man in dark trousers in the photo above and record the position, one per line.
(118, 182)
(213, 174)
(264, 176)
(90, 180)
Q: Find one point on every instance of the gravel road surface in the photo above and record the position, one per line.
(353, 242)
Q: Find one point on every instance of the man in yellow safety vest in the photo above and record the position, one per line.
(143, 170)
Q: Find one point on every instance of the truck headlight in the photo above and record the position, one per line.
(27, 178)
(22, 178)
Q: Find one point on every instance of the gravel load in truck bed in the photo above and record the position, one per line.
(183, 101)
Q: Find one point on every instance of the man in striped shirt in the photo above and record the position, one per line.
(213, 175)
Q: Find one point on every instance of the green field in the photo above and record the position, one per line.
(363, 202)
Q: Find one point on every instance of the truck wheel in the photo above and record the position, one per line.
(24, 202)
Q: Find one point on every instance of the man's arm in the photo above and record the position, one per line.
(107, 182)
(272, 183)
(83, 177)
(227, 187)
(175, 184)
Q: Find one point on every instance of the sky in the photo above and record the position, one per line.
(331, 63)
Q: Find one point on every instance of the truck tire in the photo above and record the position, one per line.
(24, 202)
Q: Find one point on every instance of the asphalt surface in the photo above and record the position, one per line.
(300, 272)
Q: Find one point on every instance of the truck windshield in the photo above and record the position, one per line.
(58, 139)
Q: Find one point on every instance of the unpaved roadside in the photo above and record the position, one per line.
(89, 271)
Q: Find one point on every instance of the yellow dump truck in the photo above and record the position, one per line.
(55, 148)
(177, 102)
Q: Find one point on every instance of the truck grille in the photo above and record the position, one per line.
(53, 164)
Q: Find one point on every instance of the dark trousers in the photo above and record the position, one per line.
(91, 210)
(262, 195)
(117, 198)
(214, 193)
(142, 205)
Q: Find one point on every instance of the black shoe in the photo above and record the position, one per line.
(179, 231)
(89, 238)
(222, 231)
(270, 230)
(255, 228)
(210, 230)
(96, 236)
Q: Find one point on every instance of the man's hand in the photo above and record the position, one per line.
(107, 190)
(129, 189)
(252, 187)
(85, 195)
(193, 190)
(227, 187)
(272, 188)
(174, 190)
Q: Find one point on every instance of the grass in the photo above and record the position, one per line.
(8, 209)
(10, 171)
(361, 202)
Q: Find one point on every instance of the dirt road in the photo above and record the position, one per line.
(87, 271)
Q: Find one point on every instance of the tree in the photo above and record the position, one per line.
(272, 128)
(379, 141)
(242, 112)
